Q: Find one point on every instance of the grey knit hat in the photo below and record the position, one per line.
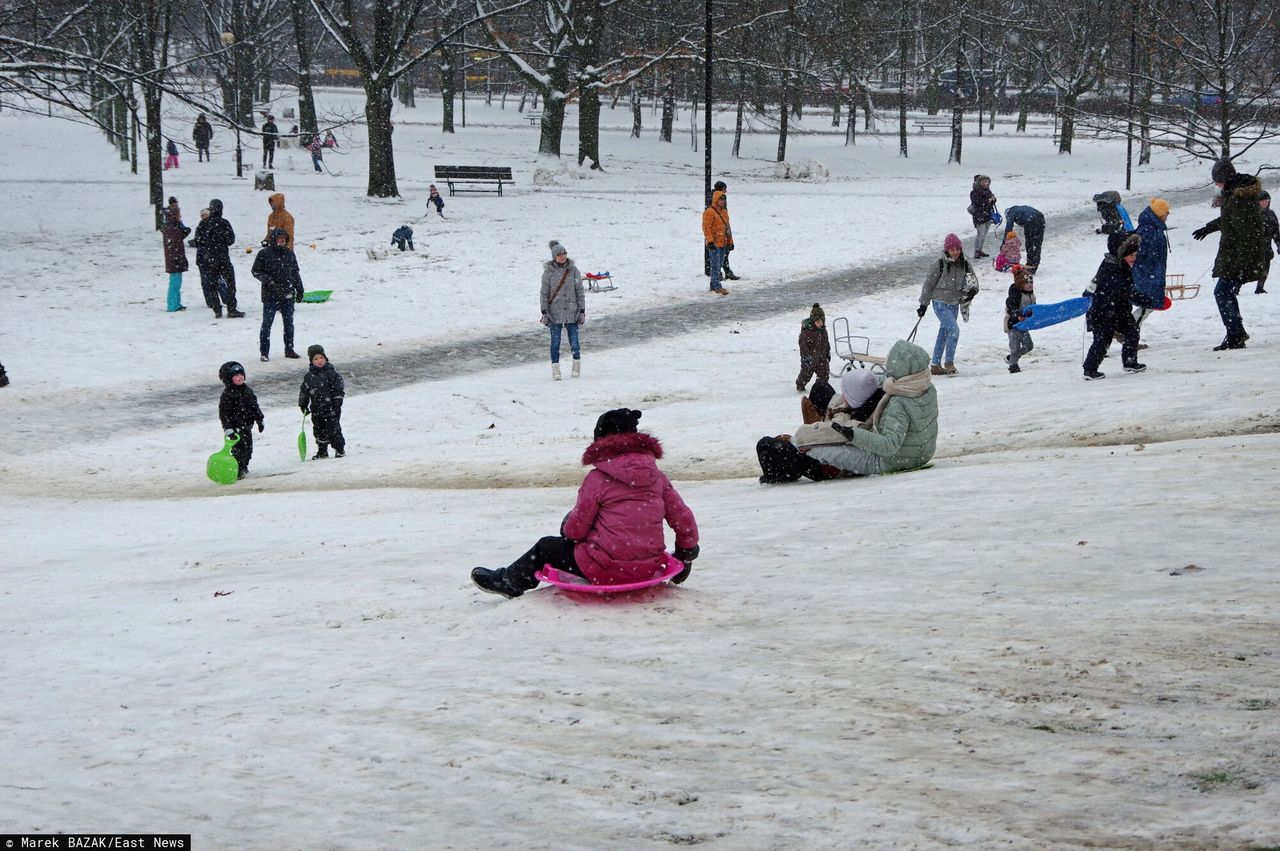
(557, 248)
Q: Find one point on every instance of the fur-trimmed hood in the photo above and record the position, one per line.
(1244, 186)
(629, 458)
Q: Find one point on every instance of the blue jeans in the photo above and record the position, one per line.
(175, 291)
(572, 328)
(1224, 293)
(717, 266)
(948, 331)
(269, 309)
(315, 161)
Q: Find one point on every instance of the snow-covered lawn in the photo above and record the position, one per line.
(1061, 635)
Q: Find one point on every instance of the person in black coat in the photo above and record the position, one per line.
(321, 396)
(202, 134)
(238, 410)
(270, 133)
(214, 236)
(1112, 302)
(277, 268)
(1270, 234)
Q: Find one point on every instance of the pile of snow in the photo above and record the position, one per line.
(807, 169)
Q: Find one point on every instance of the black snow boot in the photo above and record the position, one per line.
(494, 582)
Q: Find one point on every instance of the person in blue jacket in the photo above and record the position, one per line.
(1032, 221)
(1153, 257)
(1115, 218)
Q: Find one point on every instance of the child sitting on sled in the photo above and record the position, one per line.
(1010, 252)
(614, 533)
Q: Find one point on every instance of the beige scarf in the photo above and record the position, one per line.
(912, 385)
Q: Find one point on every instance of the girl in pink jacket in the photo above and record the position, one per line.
(614, 533)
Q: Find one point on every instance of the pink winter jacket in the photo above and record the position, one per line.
(617, 520)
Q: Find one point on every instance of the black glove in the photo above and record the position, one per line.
(297, 298)
(1200, 233)
(261, 426)
(229, 433)
(971, 294)
(845, 430)
(920, 311)
(686, 555)
(305, 411)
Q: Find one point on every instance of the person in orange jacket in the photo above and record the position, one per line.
(279, 218)
(718, 236)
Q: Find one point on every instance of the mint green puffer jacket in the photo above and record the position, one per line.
(907, 433)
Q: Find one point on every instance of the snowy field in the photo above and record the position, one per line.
(1062, 635)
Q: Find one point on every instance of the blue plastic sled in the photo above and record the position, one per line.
(1044, 315)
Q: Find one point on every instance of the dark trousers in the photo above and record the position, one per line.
(269, 154)
(214, 289)
(202, 153)
(553, 550)
(1034, 230)
(808, 368)
(780, 462)
(269, 310)
(222, 270)
(1106, 323)
(328, 429)
(1224, 293)
(243, 450)
(1262, 279)
(402, 244)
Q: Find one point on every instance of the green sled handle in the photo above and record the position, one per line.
(223, 468)
(302, 439)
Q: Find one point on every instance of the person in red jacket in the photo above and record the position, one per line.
(614, 533)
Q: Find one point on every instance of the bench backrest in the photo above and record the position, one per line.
(473, 172)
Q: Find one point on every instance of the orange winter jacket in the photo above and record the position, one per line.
(715, 223)
(280, 217)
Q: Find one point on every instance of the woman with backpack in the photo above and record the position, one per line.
(563, 305)
(950, 284)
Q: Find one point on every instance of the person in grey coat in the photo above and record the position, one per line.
(949, 284)
(563, 305)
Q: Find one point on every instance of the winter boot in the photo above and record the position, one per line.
(1094, 376)
(1013, 367)
(949, 368)
(555, 372)
(291, 354)
(217, 313)
(577, 367)
(1135, 367)
(322, 451)
(936, 369)
(232, 313)
(494, 582)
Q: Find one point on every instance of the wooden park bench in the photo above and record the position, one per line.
(533, 116)
(854, 349)
(934, 124)
(452, 174)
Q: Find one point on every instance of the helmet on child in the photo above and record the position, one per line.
(276, 233)
(230, 370)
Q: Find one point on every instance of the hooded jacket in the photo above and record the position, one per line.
(981, 200)
(1153, 257)
(1242, 250)
(815, 346)
(202, 132)
(617, 519)
(715, 223)
(279, 218)
(947, 281)
(570, 301)
(214, 236)
(907, 433)
(277, 269)
(1016, 301)
(322, 391)
(238, 407)
(174, 233)
(1114, 279)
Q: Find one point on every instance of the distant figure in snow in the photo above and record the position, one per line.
(614, 533)
(174, 234)
(316, 147)
(403, 237)
(171, 155)
(563, 305)
(717, 234)
(1270, 235)
(1032, 222)
(982, 203)
(238, 411)
(815, 349)
(270, 134)
(433, 197)
(4, 377)
(202, 134)
(277, 268)
(279, 217)
(330, 141)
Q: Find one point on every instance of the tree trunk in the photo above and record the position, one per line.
(589, 125)
(635, 114)
(787, 35)
(449, 88)
(155, 148)
(737, 127)
(1067, 134)
(835, 105)
(298, 10)
(264, 87)
(851, 129)
(904, 44)
(668, 112)
(382, 163)
(957, 104)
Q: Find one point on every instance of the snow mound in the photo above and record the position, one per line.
(807, 169)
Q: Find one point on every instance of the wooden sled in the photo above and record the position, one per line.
(854, 349)
(1176, 288)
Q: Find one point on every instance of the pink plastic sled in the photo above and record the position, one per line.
(570, 582)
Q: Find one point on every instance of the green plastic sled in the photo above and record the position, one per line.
(223, 468)
(302, 440)
(316, 296)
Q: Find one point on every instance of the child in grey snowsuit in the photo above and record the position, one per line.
(321, 396)
(1016, 307)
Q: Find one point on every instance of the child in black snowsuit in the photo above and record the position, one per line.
(1270, 235)
(321, 396)
(403, 236)
(238, 410)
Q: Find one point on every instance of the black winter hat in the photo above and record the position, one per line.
(817, 313)
(1264, 195)
(721, 186)
(1223, 171)
(215, 206)
(229, 370)
(617, 421)
(317, 349)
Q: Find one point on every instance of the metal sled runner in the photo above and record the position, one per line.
(854, 349)
(599, 282)
(1176, 288)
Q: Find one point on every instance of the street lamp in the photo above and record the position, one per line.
(229, 39)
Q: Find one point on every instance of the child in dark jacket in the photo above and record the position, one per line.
(402, 237)
(1270, 235)
(815, 349)
(1016, 306)
(238, 410)
(433, 197)
(321, 396)
(614, 534)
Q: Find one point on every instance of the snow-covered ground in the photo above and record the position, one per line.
(1062, 635)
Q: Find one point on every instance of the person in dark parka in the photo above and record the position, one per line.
(1109, 314)
(277, 268)
(202, 134)
(321, 396)
(238, 410)
(214, 236)
(1270, 234)
(1032, 221)
(815, 349)
(1242, 250)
